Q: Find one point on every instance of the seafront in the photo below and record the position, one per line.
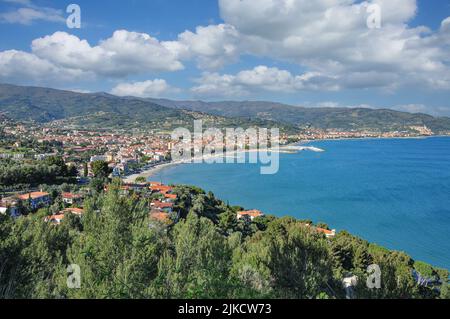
(379, 190)
(287, 149)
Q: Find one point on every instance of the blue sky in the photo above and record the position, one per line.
(292, 51)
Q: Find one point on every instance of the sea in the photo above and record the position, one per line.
(392, 192)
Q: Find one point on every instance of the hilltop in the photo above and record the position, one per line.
(44, 105)
(317, 117)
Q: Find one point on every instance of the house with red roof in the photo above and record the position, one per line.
(58, 218)
(328, 233)
(71, 199)
(36, 199)
(252, 214)
(162, 206)
(161, 189)
(55, 219)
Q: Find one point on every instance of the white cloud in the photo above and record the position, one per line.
(150, 88)
(125, 53)
(29, 13)
(329, 39)
(22, 67)
(260, 78)
(65, 56)
(332, 37)
(213, 46)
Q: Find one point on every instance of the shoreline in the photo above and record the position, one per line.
(157, 168)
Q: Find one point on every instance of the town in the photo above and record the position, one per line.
(55, 167)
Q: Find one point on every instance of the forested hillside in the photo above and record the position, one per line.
(207, 254)
(318, 117)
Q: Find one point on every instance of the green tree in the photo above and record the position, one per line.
(140, 179)
(100, 169)
(288, 260)
(198, 264)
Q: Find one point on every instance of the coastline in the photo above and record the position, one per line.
(159, 167)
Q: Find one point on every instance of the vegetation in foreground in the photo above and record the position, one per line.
(207, 253)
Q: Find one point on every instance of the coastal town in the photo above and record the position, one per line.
(131, 152)
(89, 156)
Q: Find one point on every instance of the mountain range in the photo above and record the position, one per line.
(45, 105)
(318, 117)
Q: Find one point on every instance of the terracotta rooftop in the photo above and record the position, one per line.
(33, 195)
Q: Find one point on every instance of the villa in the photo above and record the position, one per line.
(162, 206)
(55, 219)
(161, 189)
(75, 211)
(326, 232)
(58, 218)
(71, 199)
(36, 199)
(252, 214)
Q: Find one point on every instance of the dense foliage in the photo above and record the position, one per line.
(14, 174)
(208, 253)
(102, 110)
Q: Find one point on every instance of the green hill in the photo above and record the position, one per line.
(101, 110)
(104, 110)
(338, 118)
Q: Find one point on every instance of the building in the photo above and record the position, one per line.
(161, 189)
(71, 199)
(252, 214)
(58, 218)
(160, 216)
(170, 196)
(36, 199)
(75, 211)
(328, 233)
(97, 158)
(162, 206)
(55, 219)
(10, 205)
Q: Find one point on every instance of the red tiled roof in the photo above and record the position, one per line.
(71, 196)
(160, 216)
(161, 188)
(170, 196)
(33, 195)
(251, 213)
(325, 231)
(76, 211)
(161, 205)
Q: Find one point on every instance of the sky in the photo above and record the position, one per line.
(336, 53)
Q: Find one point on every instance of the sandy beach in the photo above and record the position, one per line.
(154, 170)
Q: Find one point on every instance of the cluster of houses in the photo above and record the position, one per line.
(252, 214)
(161, 205)
(161, 209)
(14, 205)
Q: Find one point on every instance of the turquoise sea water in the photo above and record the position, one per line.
(394, 192)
